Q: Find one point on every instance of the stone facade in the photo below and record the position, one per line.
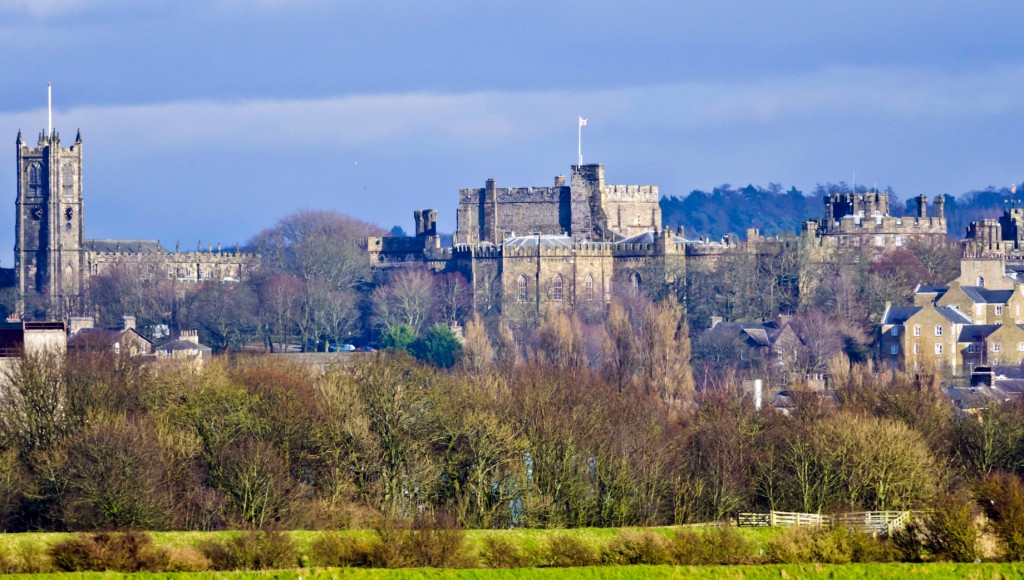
(571, 247)
(55, 261)
(976, 319)
(855, 220)
(1002, 236)
(585, 209)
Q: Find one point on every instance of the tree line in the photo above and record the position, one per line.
(564, 425)
(775, 210)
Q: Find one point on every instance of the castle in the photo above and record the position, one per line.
(53, 261)
(570, 246)
(854, 220)
(578, 244)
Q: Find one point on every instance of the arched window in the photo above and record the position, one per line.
(634, 284)
(981, 281)
(588, 287)
(522, 286)
(556, 288)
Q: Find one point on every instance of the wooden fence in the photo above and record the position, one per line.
(871, 522)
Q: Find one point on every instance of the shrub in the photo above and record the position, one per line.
(1002, 497)
(909, 542)
(500, 552)
(797, 545)
(433, 540)
(336, 550)
(566, 550)
(186, 559)
(636, 548)
(124, 552)
(252, 550)
(31, 558)
(947, 530)
(867, 548)
(719, 546)
(439, 347)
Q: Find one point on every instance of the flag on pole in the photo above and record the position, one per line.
(582, 121)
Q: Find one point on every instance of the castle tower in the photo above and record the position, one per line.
(48, 251)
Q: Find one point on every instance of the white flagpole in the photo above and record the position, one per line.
(49, 109)
(579, 143)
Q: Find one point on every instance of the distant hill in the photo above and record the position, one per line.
(775, 210)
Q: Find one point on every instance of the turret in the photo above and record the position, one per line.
(417, 215)
(940, 206)
(922, 206)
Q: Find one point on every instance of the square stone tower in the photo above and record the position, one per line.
(48, 249)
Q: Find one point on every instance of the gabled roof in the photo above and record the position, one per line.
(981, 295)
(101, 338)
(953, 315)
(756, 333)
(976, 332)
(899, 314)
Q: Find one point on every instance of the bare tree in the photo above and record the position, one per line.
(454, 297)
(477, 351)
(408, 298)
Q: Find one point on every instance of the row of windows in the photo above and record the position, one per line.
(971, 348)
(558, 287)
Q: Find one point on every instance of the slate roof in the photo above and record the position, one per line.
(124, 246)
(976, 332)
(930, 289)
(759, 333)
(183, 345)
(954, 315)
(980, 295)
(100, 338)
(547, 242)
(899, 314)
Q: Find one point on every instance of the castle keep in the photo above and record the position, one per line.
(569, 246)
(586, 209)
(52, 258)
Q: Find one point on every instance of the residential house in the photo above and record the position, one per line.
(124, 340)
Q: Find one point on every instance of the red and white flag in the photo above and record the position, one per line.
(582, 121)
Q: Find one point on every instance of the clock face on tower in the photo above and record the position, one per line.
(69, 213)
(36, 212)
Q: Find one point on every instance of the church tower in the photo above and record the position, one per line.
(48, 250)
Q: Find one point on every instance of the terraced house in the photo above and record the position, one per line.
(974, 320)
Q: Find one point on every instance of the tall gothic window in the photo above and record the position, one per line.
(522, 288)
(556, 288)
(634, 283)
(588, 287)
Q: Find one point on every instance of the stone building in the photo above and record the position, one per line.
(52, 258)
(976, 319)
(572, 247)
(586, 209)
(856, 220)
(1002, 236)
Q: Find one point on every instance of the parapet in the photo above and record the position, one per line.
(631, 192)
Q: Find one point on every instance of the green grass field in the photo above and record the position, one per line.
(882, 571)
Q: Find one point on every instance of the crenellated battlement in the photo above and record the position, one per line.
(888, 224)
(645, 193)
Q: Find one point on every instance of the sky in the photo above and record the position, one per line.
(206, 121)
